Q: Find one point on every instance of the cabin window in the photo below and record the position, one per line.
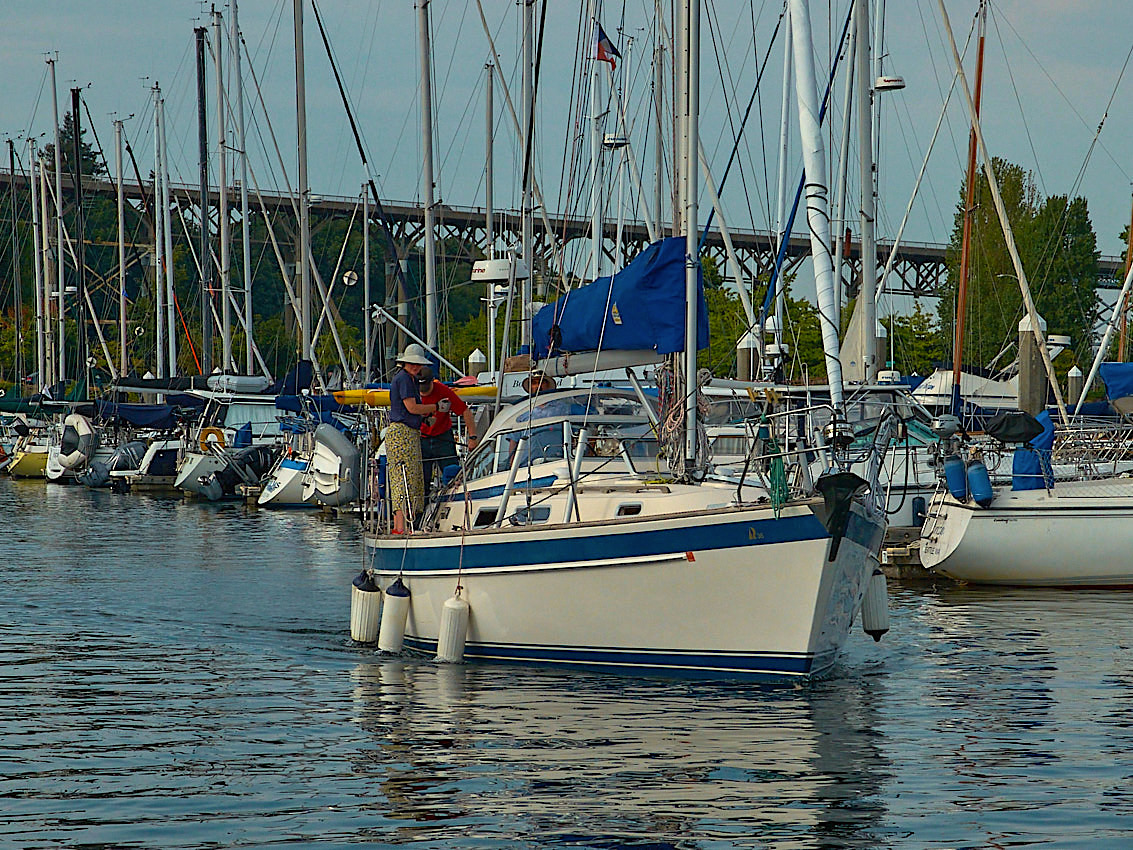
(531, 516)
(485, 517)
(730, 446)
(480, 464)
(632, 509)
(543, 444)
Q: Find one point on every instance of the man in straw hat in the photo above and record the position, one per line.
(537, 382)
(403, 437)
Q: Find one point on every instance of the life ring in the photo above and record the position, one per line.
(216, 435)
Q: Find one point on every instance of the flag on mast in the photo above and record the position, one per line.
(605, 50)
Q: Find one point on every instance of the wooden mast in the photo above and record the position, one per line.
(1121, 346)
(965, 244)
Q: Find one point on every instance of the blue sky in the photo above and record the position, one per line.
(1052, 68)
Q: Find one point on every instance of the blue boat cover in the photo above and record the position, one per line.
(1118, 379)
(138, 415)
(646, 309)
(295, 381)
(1030, 467)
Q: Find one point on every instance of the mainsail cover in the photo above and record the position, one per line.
(1118, 380)
(644, 311)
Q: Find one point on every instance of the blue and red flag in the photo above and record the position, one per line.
(605, 50)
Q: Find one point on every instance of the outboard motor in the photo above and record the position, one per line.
(126, 458)
(247, 466)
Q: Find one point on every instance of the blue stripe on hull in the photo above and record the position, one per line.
(583, 546)
(704, 665)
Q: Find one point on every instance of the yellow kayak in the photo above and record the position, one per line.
(380, 398)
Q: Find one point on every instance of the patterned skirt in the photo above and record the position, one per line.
(403, 468)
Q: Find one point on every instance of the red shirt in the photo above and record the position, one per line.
(442, 422)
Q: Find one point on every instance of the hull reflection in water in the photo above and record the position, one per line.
(588, 761)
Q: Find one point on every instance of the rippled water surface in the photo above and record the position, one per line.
(180, 675)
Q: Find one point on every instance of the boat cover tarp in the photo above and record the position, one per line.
(1118, 379)
(295, 381)
(1030, 467)
(133, 383)
(640, 307)
(138, 415)
(1014, 426)
(19, 405)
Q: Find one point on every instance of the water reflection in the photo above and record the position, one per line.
(179, 675)
(587, 760)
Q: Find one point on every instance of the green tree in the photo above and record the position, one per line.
(91, 163)
(917, 341)
(1058, 249)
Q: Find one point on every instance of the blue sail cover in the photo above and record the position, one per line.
(646, 309)
(139, 415)
(1118, 379)
(1031, 467)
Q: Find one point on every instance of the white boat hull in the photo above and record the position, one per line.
(732, 592)
(192, 467)
(1076, 535)
(284, 487)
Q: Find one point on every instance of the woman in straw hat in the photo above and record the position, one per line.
(403, 437)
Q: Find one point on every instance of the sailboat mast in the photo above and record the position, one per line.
(17, 285)
(50, 360)
(966, 240)
(818, 218)
(40, 324)
(784, 142)
(304, 190)
(222, 185)
(80, 239)
(366, 316)
(167, 230)
(489, 157)
(691, 180)
(867, 288)
(205, 254)
(528, 211)
(659, 118)
(160, 212)
(61, 346)
(427, 187)
(122, 364)
(245, 224)
(1121, 344)
(595, 153)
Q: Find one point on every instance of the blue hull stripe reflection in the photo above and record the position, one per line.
(684, 664)
(582, 545)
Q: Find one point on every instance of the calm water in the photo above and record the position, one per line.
(178, 675)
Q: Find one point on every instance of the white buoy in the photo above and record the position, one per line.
(875, 606)
(365, 608)
(454, 629)
(395, 610)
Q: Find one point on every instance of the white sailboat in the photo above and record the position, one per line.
(571, 545)
(1038, 531)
